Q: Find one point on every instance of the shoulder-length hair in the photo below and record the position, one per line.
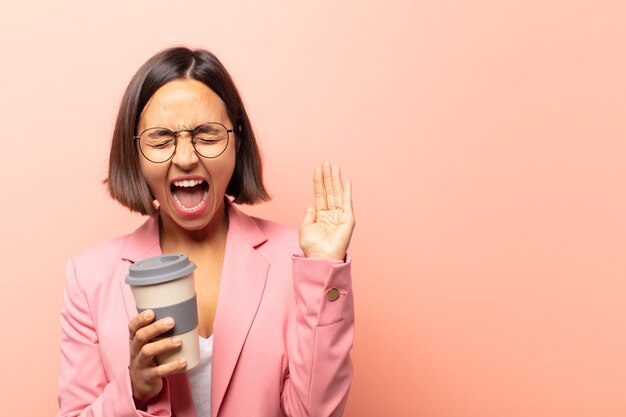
(125, 181)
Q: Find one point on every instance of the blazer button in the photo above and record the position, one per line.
(332, 294)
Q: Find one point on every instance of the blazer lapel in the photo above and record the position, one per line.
(142, 243)
(241, 288)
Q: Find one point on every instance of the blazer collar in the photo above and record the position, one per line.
(144, 242)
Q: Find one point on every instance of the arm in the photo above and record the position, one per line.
(84, 388)
(320, 370)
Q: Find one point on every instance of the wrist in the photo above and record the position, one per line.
(325, 256)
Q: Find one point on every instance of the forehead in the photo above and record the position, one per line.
(183, 104)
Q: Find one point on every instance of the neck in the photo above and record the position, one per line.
(174, 238)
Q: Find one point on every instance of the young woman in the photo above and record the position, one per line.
(276, 316)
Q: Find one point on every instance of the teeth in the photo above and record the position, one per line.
(188, 183)
(206, 193)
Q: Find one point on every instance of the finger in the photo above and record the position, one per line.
(149, 351)
(328, 185)
(347, 198)
(337, 186)
(166, 369)
(139, 321)
(318, 186)
(147, 333)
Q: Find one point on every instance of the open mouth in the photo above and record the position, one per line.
(190, 195)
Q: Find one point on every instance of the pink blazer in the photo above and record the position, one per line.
(281, 347)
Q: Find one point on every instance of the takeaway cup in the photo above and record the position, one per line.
(165, 285)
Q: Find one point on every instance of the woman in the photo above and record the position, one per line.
(275, 307)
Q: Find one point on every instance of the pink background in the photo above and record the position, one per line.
(485, 139)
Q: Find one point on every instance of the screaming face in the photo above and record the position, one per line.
(189, 188)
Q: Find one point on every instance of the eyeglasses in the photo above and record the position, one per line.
(158, 144)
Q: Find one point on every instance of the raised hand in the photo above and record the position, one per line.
(327, 228)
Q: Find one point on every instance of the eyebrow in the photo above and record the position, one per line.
(160, 131)
(204, 128)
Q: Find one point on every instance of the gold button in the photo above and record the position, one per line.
(332, 294)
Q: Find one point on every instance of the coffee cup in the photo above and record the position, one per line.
(165, 285)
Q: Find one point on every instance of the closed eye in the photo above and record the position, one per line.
(160, 144)
(207, 139)
(158, 138)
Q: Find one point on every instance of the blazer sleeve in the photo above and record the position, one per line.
(84, 388)
(320, 369)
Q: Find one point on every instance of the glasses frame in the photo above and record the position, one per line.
(191, 138)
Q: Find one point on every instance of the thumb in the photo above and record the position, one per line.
(309, 215)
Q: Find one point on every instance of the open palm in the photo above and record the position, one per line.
(327, 228)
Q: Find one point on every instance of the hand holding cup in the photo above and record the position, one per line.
(164, 335)
(146, 375)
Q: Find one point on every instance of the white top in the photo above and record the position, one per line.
(200, 379)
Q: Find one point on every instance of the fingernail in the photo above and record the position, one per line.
(176, 340)
(168, 321)
(147, 314)
(183, 362)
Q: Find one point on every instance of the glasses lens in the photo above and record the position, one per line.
(157, 144)
(210, 140)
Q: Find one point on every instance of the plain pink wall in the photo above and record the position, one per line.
(485, 139)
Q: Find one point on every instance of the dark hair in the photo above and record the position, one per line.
(126, 182)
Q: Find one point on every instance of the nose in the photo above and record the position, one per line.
(185, 155)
